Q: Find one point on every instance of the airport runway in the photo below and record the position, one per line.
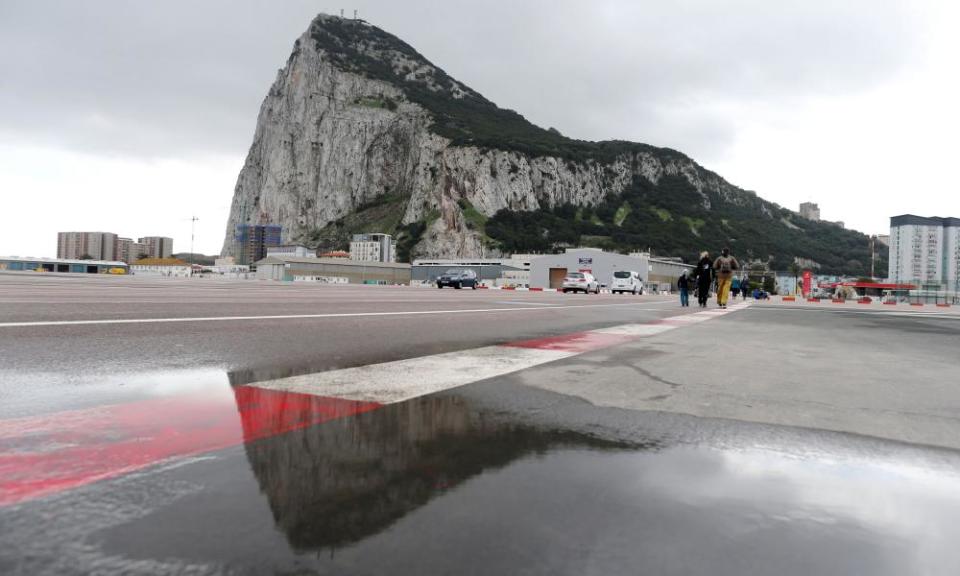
(205, 427)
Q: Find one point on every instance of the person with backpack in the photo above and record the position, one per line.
(704, 276)
(683, 283)
(724, 267)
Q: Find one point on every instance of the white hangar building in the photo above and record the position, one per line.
(548, 271)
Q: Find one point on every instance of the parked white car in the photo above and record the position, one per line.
(580, 282)
(626, 281)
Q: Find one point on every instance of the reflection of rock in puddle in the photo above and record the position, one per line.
(525, 498)
(339, 482)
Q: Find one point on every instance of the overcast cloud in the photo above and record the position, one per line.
(131, 116)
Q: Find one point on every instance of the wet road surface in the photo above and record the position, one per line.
(486, 481)
(121, 452)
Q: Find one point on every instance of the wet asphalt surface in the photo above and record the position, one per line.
(491, 478)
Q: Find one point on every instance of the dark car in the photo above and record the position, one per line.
(458, 278)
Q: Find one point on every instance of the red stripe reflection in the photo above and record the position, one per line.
(46, 454)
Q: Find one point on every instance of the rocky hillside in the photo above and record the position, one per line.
(359, 132)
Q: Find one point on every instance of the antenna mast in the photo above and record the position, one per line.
(193, 221)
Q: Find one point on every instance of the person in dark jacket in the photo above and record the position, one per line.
(704, 276)
(683, 283)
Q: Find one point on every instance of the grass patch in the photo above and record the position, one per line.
(622, 212)
(662, 214)
(376, 102)
(695, 224)
(474, 218)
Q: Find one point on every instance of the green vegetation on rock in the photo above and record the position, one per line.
(475, 220)
(381, 215)
(749, 230)
(622, 212)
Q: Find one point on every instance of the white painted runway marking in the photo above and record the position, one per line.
(301, 316)
(402, 380)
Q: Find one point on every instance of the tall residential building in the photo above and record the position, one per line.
(810, 211)
(157, 246)
(252, 240)
(373, 248)
(95, 245)
(129, 251)
(925, 251)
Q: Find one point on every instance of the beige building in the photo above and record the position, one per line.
(90, 245)
(157, 246)
(373, 248)
(810, 211)
(129, 251)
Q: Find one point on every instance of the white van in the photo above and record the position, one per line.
(626, 281)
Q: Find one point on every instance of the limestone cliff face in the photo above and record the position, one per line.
(332, 138)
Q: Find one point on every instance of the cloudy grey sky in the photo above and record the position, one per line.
(131, 116)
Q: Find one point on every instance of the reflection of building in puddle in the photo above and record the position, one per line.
(341, 481)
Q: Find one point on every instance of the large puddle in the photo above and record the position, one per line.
(440, 485)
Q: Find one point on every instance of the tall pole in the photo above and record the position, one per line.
(873, 255)
(193, 221)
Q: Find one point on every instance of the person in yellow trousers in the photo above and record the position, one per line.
(724, 267)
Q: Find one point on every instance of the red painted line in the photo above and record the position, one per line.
(943, 305)
(55, 452)
(916, 303)
(536, 289)
(890, 303)
(814, 300)
(577, 342)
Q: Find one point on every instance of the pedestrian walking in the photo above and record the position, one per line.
(745, 286)
(724, 267)
(735, 287)
(683, 283)
(704, 275)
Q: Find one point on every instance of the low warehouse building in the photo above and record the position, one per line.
(489, 269)
(331, 270)
(548, 271)
(63, 265)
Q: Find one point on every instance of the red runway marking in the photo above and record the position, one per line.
(54, 452)
(577, 342)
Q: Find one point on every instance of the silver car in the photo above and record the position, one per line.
(580, 282)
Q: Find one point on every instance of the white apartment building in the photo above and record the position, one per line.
(925, 251)
(373, 248)
(291, 250)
